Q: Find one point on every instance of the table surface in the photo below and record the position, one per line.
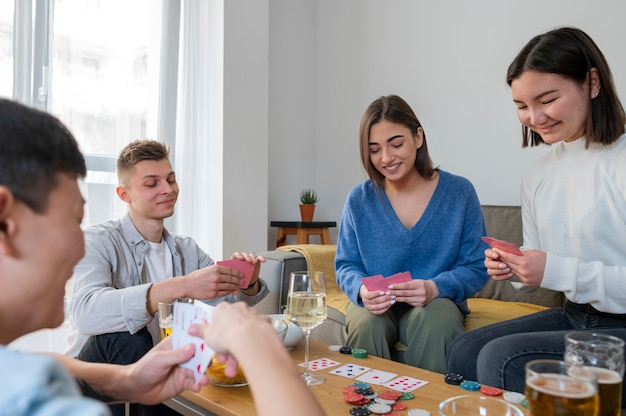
(303, 224)
(237, 401)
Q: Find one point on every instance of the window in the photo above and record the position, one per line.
(6, 48)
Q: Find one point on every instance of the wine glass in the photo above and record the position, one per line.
(306, 307)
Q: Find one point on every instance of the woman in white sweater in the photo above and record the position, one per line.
(573, 207)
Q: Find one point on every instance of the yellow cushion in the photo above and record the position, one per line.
(490, 311)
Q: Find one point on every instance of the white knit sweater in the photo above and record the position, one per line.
(574, 208)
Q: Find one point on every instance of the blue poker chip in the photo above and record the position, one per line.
(361, 385)
(470, 385)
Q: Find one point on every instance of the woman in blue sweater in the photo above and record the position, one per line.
(409, 216)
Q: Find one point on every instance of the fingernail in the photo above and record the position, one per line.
(392, 301)
(393, 296)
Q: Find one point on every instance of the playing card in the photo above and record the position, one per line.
(398, 278)
(503, 245)
(349, 370)
(373, 282)
(320, 364)
(405, 383)
(376, 377)
(379, 282)
(186, 314)
(243, 266)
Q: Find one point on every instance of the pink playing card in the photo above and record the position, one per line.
(503, 245)
(398, 278)
(405, 383)
(243, 266)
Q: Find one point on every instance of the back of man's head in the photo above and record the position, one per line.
(34, 147)
(138, 151)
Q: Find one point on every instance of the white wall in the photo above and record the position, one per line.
(329, 59)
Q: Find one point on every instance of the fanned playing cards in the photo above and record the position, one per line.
(186, 314)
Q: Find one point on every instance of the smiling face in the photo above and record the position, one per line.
(393, 149)
(150, 189)
(44, 248)
(553, 106)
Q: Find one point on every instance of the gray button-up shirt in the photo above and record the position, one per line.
(108, 294)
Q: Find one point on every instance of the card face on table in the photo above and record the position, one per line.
(243, 266)
(503, 245)
(350, 370)
(405, 383)
(376, 377)
(186, 314)
(320, 364)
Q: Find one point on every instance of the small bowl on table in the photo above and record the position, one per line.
(215, 372)
(294, 334)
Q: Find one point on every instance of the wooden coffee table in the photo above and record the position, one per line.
(237, 401)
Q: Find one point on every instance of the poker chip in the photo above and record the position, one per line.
(490, 391)
(361, 385)
(470, 385)
(379, 408)
(418, 412)
(398, 406)
(384, 401)
(345, 350)
(407, 396)
(525, 404)
(454, 379)
(335, 348)
(359, 353)
(513, 397)
(360, 411)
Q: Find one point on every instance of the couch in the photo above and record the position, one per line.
(497, 301)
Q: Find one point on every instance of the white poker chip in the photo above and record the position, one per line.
(384, 401)
(379, 408)
(335, 348)
(513, 397)
(418, 412)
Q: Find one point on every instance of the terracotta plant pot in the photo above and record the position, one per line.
(306, 212)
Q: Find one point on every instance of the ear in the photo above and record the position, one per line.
(8, 226)
(594, 82)
(419, 137)
(122, 193)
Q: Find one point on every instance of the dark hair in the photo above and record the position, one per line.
(570, 52)
(34, 147)
(394, 109)
(137, 151)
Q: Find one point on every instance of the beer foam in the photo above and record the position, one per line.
(606, 376)
(561, 385)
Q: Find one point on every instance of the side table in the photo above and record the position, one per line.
(302, 230)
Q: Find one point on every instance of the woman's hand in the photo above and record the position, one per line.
(529, 268)
(416, 292)
(377, 301)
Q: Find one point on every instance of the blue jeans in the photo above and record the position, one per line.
(123, 348)
(495, 355)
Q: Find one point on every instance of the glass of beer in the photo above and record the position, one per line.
(553, 390)
(166, 319)
(605, 354)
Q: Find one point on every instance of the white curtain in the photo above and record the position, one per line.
(199, 127)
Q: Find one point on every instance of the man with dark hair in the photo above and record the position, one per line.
(41, 209)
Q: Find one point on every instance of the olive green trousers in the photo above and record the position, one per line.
(425, 331)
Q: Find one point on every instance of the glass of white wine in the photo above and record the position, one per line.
(306, 307)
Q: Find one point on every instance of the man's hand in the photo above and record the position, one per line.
(157, 376)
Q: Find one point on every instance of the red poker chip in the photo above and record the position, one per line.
(490, 391)
(390, 394)
(353, 397)
(398, 406)
(349, 389)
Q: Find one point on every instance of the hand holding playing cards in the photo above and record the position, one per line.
(529, 268)
(416, 292)
(376, 301)
(157, 376)
(241, 334)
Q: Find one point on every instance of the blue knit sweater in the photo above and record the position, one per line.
(444, 245)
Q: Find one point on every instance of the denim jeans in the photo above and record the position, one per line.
(123, 348)
(495, 355)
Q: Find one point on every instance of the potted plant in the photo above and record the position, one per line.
(308, 199)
